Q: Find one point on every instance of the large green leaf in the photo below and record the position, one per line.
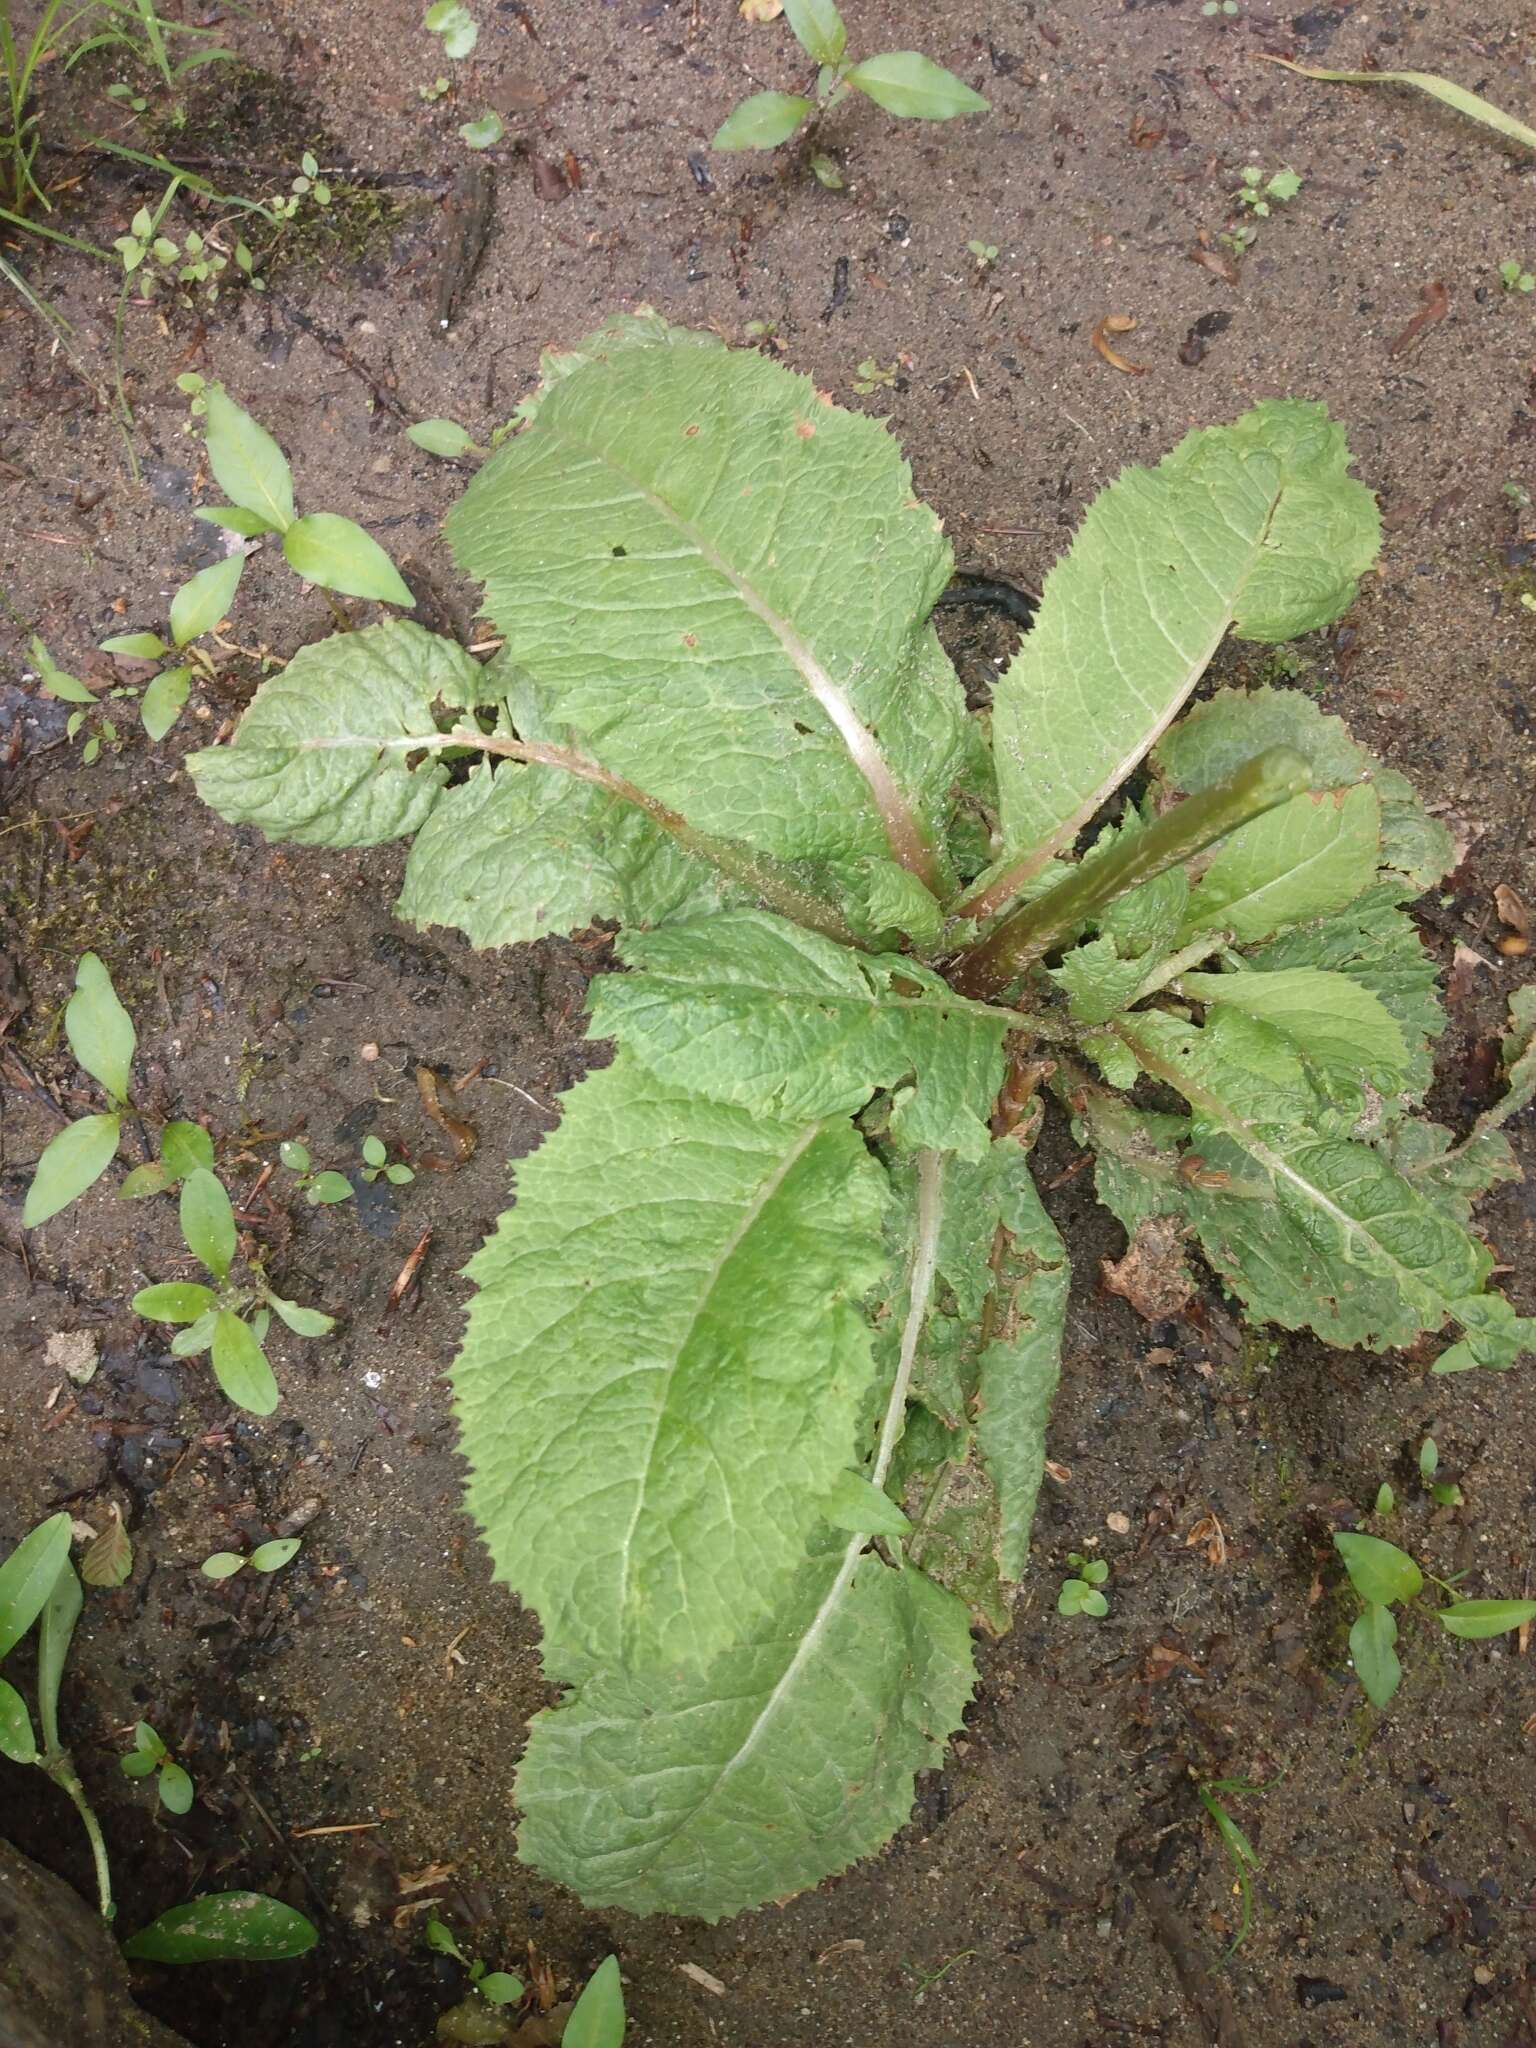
(664, 1366)
(1343, 1030)
(512, 855)
(1254, 527)
(751, 1009)
(69, 1164)
(1219, 735)
(1308, 857)
(320, 755)
(786, 1760)
(721, 583)
(1314, 1231)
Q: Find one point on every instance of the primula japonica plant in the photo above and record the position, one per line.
(758, 1369)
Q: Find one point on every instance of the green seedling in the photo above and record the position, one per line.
(435, 90)
(985, 254)
(1081, 1595)
(266, 1557)
(324, 548)
(225, 1927)
(873, 376)
(1257, 197)
(319, 1188)
(102, 1038)
(91, 727)
(492, 1987)
(1240, 1851)
(1445, 1493)
(1226, 9)
(904, 82)
(230, 1318)
(872, 942)
(1515, 277)
(377, 1164)
(149, 1757)
(1449, 94)
(455, 24)
(38, 1588)
(1386, 1578)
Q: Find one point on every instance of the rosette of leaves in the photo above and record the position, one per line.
(759, 1366)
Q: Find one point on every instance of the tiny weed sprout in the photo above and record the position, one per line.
(871, 942)
(230, 1318)
(39, 1589)
(1240, 1851)
(149, 1757)
(1387, 1578)
(266, 1557)
(377, 1164)
(904, 82)
(323, 1187)
(465, 2022)
(102, 1038)
(457, 27)
(1515, 277)
(1081, 1595)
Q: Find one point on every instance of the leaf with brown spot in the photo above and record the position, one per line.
(1116, 323)
(1152, 1275)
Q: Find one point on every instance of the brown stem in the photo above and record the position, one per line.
(986, 969)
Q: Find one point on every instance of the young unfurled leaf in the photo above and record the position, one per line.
(440, 437)
(1098, 983)
(1253, 527)
(1372, 1645)
(818, 29)
(247, 463)
(1379, 1571)
(70, 1163)
(240, 1365)
(304, 1322)
(240, 1927)
(108, 1561)
(100, 1031)
(597, 2017)
(866, 1510)
(318, 758)
(16, 1738)
(200, 603)
(913, 87)
(608, 551)
(792, 1755)
(751, 1009)
(208, 1221)
(762, 122)
(336, 553)
(142, 646)
(161, 704)
(27, 1578)
(691, 1371)
(1479, 1619)
(174, 1301)
(196, 1338)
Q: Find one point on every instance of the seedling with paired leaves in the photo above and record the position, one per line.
(324, 1186)
(495, 1987)
(1514, 276)
(102, 1038)
(1386, 1578)
(1081, 1594)
(266, 1557)
(38, 1588)
(904, 82)
(230, 1318)
(596, 2020)
(758, 1370)
(149, 1757)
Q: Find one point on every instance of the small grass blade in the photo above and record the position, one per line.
(1472, 104)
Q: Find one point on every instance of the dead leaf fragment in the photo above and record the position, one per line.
(1465, 962)
(1435, 303)
(702, 1978)
(109, 1558)
(1510, 905)
(1116, 323)
(853, 1946)
(1152, 1276)
(465, 1137)
(72, 1352)
(761, 10)
(1208, 1535)
(1219, 262)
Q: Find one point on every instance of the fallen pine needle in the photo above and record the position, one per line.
(342, 1827)
(1472, 104)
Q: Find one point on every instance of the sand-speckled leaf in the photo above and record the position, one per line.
(721, 583)
(320, 756)
(1312, 1230)
(1253, 527)
(786, 1760)
(512, 854)
(665, 1366)
(1217, 736)
(748, 1008)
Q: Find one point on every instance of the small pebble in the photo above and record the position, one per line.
(368, 1052)
(1482, 1974)
(1119, 1524)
